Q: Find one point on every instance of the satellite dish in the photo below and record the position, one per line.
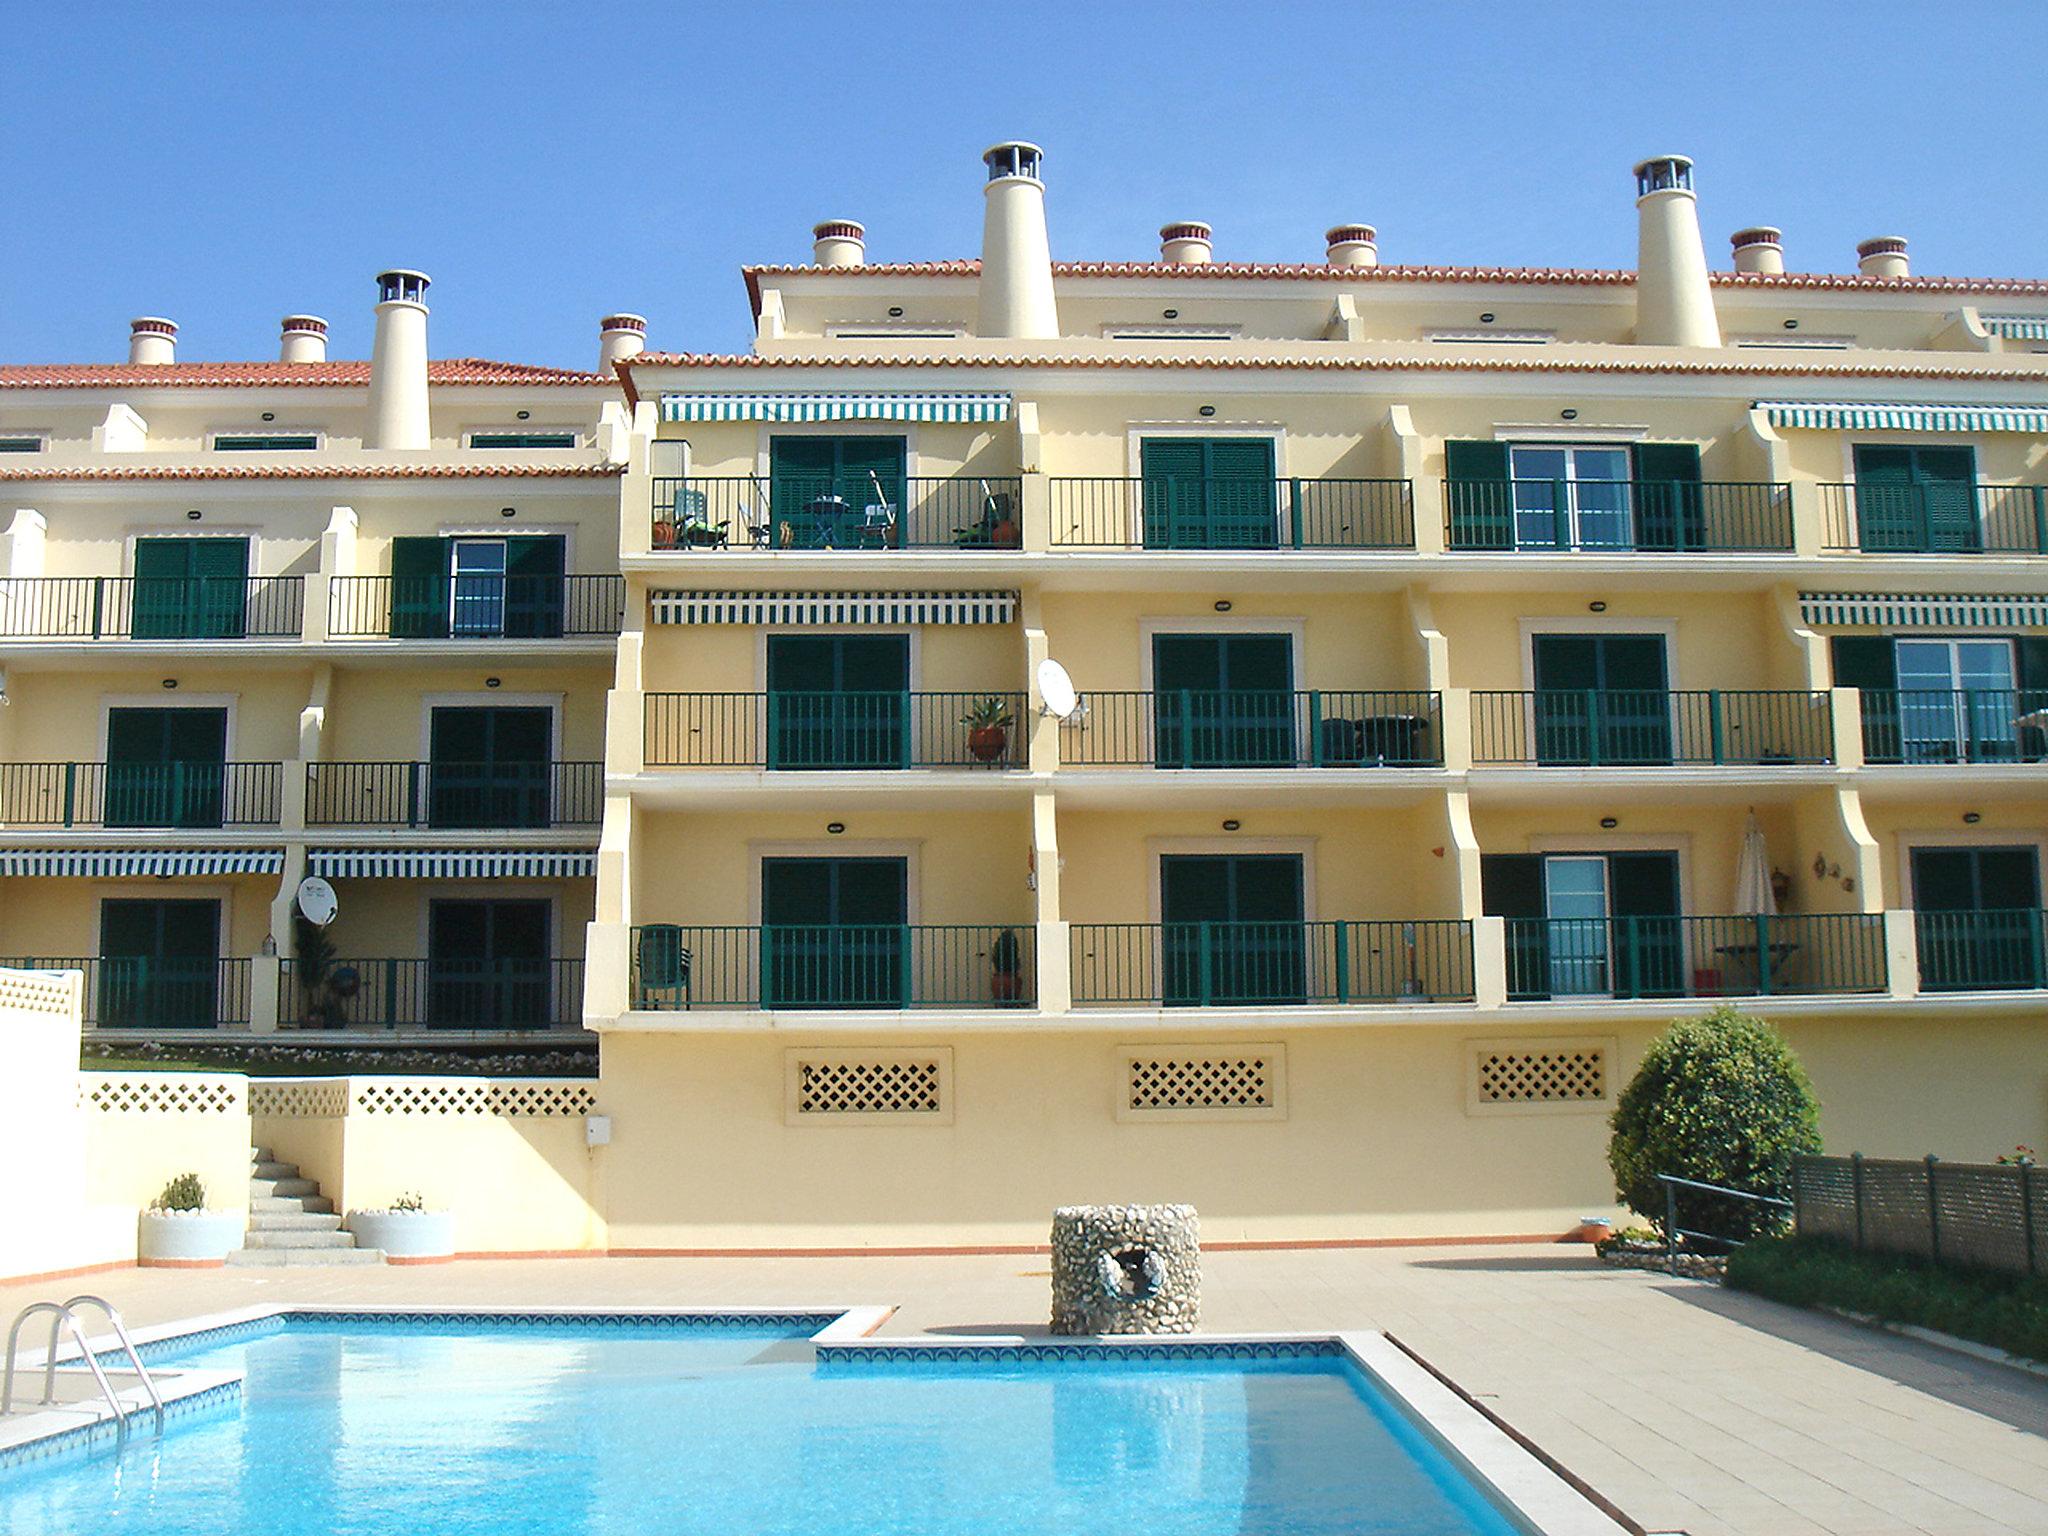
(1057, 689)
(317, 903)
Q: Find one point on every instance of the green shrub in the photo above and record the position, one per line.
(410, 1201)
(1720, 1099)
(186, 1192)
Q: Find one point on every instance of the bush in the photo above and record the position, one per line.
(186, 1192)
(1720, 1099)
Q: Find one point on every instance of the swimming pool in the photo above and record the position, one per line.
(602, 1427)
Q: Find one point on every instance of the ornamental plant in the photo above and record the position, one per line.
(186, 1192)
(1720, 1099)
(990, 713)
(411, 1200)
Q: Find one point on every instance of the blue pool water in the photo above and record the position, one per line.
(383, 1427)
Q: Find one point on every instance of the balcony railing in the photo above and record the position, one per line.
(1238, 965)
(182, 794)
(1957, 518)
(474, 607)
(453, 796)
(1744, 956)
(1995, 951)
(432, 994)
(1114, 512)
(141, 992)
(1203, 728)
(1712, 517)
(1936, 725)
(152, 607)
(852, 512)
(1634, 728)
(820, 731)
(879, 966)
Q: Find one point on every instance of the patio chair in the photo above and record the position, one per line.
(878, 526)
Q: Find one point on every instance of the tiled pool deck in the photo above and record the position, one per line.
(1690, 1408)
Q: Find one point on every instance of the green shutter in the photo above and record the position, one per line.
(534, 570)
(1870, 662)
(163, 589)
(419, 589)
(1479, 497)
(1669, 512)
(1209, 493)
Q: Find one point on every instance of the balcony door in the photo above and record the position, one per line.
(1601, 699)
(1209, 493)
(1916, 499)
(1979, 915)
(836, 492)
(166, 767)
(478, 588)
(1588, 924)
(1572, 498)
(1958, 701)
(838, 701)
(489, 766)
(833, 933)
(190, 589)
(159, 964)
(1232, 929)
(488, 965)
(1223, 700)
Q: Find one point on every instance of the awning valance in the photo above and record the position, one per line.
(2017, 327)
(811, 608)
(1923, 610)
(102, 863)
(956, 406)
(1850, 417)
(452, 863)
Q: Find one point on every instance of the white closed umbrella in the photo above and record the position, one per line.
(1753, 874)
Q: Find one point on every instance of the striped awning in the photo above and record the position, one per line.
(101, 863)
(834, 607)
(1845, 417)
(1923, 610)
(2017, 327)
(451, 863)
(970, 406)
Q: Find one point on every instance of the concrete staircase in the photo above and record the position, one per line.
(291, 1222)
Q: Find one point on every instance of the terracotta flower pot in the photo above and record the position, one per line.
(1006, 986)
(988, 742)
(1006, 535)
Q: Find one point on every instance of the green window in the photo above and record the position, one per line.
(489, 766)
(1502, 496)
(159, 964)
(265, 442)
(191, 589)
(1209, 493)
(838, 701)
(1588, 924)
(1979, 918)
(522, 439)
(1601, 699)
(480, 588)
(166, 767)
(836, 492)
(1232, 929)
(1223, 701)
(488, 965)
(1916, 499)
(1978, 698)
(832, 933)
(21, 445)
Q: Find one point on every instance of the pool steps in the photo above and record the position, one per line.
(291, 1222)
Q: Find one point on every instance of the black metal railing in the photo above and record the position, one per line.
(382, 994)
(2004, 950)
(454, 795)
(1940, 725)
(1741, 956)
(840, 512)
(152, 607)
(474, 607)
(1953, 518)
(178, 794)
(863, 965)
(1652, 727)
(144, 992)
(835, 730)
(1238, 965)
(1255, 728)
(1662, 516)
(1193, 512)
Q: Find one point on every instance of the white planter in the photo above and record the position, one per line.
(415, 1237)
(186, 1239)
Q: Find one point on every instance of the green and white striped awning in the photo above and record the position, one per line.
(813, 608)
(452, 863)
(2017, 327)
(956, 406)
(1923, 610)
(105, 863)
(1849, 417)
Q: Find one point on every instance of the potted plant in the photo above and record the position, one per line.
(988, 728)
(177, 1231)
(1006, 967)
(1003, 530)
(406, 1231)
(321, 984)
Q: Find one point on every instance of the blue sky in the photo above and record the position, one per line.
(225, 164)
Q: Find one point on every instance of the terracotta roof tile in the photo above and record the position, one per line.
(313, 472)
(450, 370)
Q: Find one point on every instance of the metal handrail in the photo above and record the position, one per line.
(1673, 1231)
(127, 1346)
(61, 1315)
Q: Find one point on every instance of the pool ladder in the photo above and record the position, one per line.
(64, 1314)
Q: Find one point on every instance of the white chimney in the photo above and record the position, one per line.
(620, 336)
(1016, 296)
(302, 340)
(153, 340)
(1761, 249)
(398, 363)
(1884, 256)
(1186, 243)
(1353, 245)
(839, 243)
(1674, 305)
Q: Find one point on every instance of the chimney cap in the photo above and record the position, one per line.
(152, 325)
(1013, 157)
(1350, 234)
(311, 325)
(1759, 234)
(1663, 173)
(405, 283)
(839, 229)
(624, 323)
(1185, 229)
(1882, 245)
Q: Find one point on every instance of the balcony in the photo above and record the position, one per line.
(1243, 965)
(1977, 725)
(454, 796)
(144, 992)
(1800, 955)
(1934, 517)
(1713, 517)
(834, 966)
(1167, 512)
(151, 607)
(1195, 728)
(817, 732)
(1996, 951)
(1639, 728)
(814, 513)
(180, 795)
(482, 995)
(474, 607)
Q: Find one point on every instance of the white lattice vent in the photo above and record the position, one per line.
(1549, 1074)
(324, 1098)
(897, 1085)
(38, 991)
(139, 1093)
(511, 1098)
(1226, 1082)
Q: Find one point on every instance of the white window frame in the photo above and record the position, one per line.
(171, 699)
(265, 429)
(1156, 849)
(575, 435)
